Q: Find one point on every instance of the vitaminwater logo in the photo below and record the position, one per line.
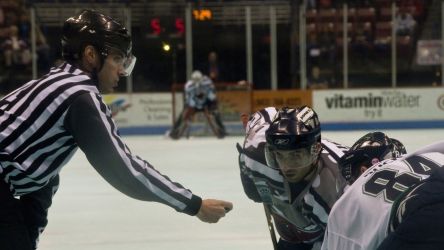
(387, 99)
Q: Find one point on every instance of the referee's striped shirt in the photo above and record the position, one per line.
(44, 122)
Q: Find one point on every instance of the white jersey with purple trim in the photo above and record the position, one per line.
(302, 206)
(359, 219)
(198, 93)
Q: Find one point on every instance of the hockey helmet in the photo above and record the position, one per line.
(367, 151)
(196, 76)
(293, 142)
(90, 27)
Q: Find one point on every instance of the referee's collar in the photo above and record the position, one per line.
(65, 66)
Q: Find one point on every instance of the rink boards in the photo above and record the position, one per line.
(151, 113)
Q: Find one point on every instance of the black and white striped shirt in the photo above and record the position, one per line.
(44, 122)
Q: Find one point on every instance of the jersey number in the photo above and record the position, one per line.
(391, 183)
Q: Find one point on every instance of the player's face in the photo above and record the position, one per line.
(295, 164)
(112, 70)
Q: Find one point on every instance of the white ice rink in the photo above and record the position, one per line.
(88, 214)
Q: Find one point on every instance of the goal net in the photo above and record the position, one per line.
(233, 99)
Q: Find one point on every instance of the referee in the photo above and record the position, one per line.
(43, 123)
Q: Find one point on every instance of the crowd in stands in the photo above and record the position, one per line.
(15, 48)
(369, 30)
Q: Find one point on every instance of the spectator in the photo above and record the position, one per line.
(16, 51)
(213, 68)
(17, 56)
(313, 50)
(405, 24)
(327, 41)
(315, 81)
(362, 40)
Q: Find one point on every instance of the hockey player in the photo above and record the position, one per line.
(45, 121)
(360, 218)
(200, 96)
(286, 166)
(416, 217)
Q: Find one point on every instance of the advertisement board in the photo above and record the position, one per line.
(380, 105)
(152, 109)
(281, 98)
(151, 113)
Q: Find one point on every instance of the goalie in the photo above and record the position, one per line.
(200, 96)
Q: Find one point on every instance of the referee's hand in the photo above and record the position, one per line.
(212, 210)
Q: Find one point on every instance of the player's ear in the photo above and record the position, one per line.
(90, 56)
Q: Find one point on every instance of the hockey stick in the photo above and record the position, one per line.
(270, 227)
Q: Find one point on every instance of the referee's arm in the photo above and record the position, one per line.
(90, 123)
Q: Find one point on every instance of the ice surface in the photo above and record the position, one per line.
(88, 214)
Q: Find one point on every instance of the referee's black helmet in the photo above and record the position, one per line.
(90, 27)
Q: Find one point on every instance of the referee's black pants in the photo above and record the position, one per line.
(14, 234)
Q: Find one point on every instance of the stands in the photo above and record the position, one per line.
(369, 30)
